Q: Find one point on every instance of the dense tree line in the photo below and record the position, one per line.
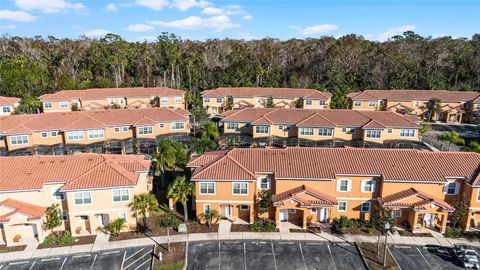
(34, 66)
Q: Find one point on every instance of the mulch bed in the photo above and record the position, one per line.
(358, 231)
(240, 228)
(176, 254)
(409, 233)
(80, 240)
(374, 259)
(5, 249)
(308, 230)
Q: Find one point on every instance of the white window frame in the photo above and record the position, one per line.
(372, 103)
(369, 207)
(348, 130)
(145, 130)
(243, 208)
(7, 109)
(308, 102)
(75, 135)
(206, 99)
(111, 101)
(116, 129)
(397, 213)
(54, 134)
(161, 125)
(240, 188)
(44, 133)
(322, 102)
(455, 191)
(416, 104)
(346, 206)
(478, 195)
(125, 128)
(478, 106)
(373, 134)
(390, 131)
(120, 195)
(261, 128)
(357, 103)
(325, 132)
(219, 100)
(47, 105)
(339, 185)
(64, 215)
(233, 126)
(82, 197)
(260, 183)
(178, 99)
(407, 132)
(19, 140)
(313, 210)
(164, 100)
(63, 104)
(122, 215)
(207, 188)
(176, 125)
(94, 134)
(54, 192)
(121, 100)
(364, 183)
(209, 208)
(306, 131)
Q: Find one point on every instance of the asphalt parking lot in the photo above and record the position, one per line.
(137, 258)
(272, 255)
(428, 257)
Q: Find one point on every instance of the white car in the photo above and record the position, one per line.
(467, 256)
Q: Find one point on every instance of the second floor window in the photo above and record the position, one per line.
(164, 100)
(57, 195)
(44, 134)
(145, 130)
(376, 134)
(451, 188)
(343, 185)
(261, 129)
(232, 126)
(178, 125)
(308, 102)
(18, 140)
(365, 208)
(96, 134)
(178, 99)
(306, 131)
(75, 135)
(407, 133)
(7, 109)
(47, 105)
(357, 103)
(63, 105)
(372, 103)
(120, 195)
(207, 188)
(322, 102)
(325, 132)
(219, 100)
(84, 197)
(368, 186)
(264, 183)
(206, 99)
(240, 188)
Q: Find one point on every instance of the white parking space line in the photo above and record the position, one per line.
(245, 254)
(424, 258)
(303, 258)
(111, 252)
(141, 264)
(331, 255)
(219, 257)
(274, 260)
(1, 266)
(129, 257)
(50, 259)
(81, 256)
(93, 263)
(137, 260)
(17, 263)
(31, 267)
(123, 261)
(65, 260)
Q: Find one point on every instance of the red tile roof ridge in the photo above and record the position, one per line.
(316, 114)
(81, 119)
(31, 210)
(8, 100)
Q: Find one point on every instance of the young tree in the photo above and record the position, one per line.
(169, 221)
(164, 158)
(265, 200)
(143, 205)
(460, 213)
(179, 191)
(115, 226)
(228, 104)
(210, 217)
(299, 103)
(53, 218)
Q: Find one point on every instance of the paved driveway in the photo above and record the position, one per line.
(428, 257)
(137, 258)
(272, 255)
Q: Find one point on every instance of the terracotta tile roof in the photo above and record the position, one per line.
(32, 211)
(206, 158)
(103, 93)
(77, 171)
(395, 200)
(326, 163)
(406, 95)
(318, 118)
(323, 199)
(8, 101)
(16, 124)
(225, 168)
(266, 92)
(373, 125)
(403, 106)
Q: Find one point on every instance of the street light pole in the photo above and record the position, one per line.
(387, 228)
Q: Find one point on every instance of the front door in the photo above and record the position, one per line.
(284, 215)
(35, 230)
(322, 214)
(226, 211)
(103, 218)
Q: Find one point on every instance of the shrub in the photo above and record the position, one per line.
(115, 226)
(65, 238)
(454, 232)
(262, 226)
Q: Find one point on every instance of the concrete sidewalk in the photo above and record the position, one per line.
(110, 245)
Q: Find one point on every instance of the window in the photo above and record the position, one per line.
(372, 103)
(207, 188)
(161, 125)
(125, 129)
(47, 105)
(57, 195)
(416, 104)
(164, 99)
(111, 101)
(368, 185)
(145, 130)
(306, 131)
(382, 102)
(44, 134)
(348, 130)
(96, 134)
(407, 133)
(178, 125)
(84, 197)
(478, 195)
(178, 99)
(325, 132)
(343, 185)
(397, 213)
(376, 134)
(219, 100)
(116, 129)
(313, 210)
(121, 100)
(206, 208)
(308, 102)
(292, 211)
(261, 129)
(206, 99)
(264, 183)
(357, 103)
(20, 139)
(120, 195)
(63, 105)
(342, 206)
(389, 131)
(7, 109)
(65, 215)
(322, 102)
(75, 135)
(451, 188)
(122, 216)
(284, 127)
(83, 218)
(54, 133)
(478, 106)
(232, 126)
(240, 188)
(365, 208)
(244, 207)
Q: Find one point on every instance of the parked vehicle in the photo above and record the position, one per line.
(467, 256)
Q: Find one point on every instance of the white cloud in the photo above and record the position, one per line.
(139, 27)
(148, 38)
(111, 7)
(96, 33)
(246, 36)
(186, 4)
(247, 17)
(8, 26)
(48, 6)
(228, 10)
(217, 23)
(391, 32)
(18, 16)
(316, 29)
(152, 4)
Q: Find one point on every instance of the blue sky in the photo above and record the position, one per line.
(137, 20)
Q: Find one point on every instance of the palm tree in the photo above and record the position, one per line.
(28, 105)
(210, 130)
(164, 157)
(179, 191)
(210, 216)
(143, 205)
(451, 137)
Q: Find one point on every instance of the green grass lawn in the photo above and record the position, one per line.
(178, 265)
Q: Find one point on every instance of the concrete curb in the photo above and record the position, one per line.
(361, 255)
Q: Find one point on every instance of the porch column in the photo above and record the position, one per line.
(305, 215)
(277, 217)
(415, 219)
(444, 223)
(251, 212)
(40, 231)
(466, 225)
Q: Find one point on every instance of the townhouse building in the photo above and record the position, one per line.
(8, 105)
(90, 189)
(315, 185)
(114, 131)
(98, 99)
(453, 104)
(307, 126)
(218, 100)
